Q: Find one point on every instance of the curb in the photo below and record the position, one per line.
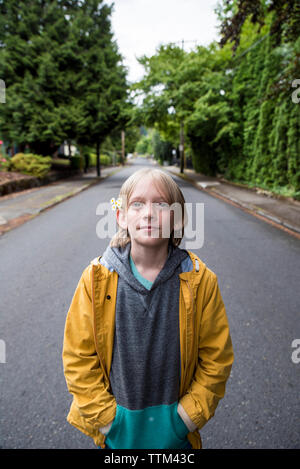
(31, 182)
(260, 212)
(291, 229)
(77, 191)
(15, 222)
(259, 191)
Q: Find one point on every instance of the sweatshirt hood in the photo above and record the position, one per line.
(118, 259)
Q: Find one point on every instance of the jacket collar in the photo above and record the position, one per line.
(193, 271)
(192, 268)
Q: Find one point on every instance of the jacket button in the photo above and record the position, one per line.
(108, 297)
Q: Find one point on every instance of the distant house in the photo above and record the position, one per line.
(64, 151)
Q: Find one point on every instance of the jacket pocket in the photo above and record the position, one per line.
(115, 427)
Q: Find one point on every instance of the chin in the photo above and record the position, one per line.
(149, 241)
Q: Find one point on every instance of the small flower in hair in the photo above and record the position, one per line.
(116, 203)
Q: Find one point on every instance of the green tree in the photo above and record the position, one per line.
(102, 87)
(160, 88)
(37, 63)
(181, 87)
(144, 145)
(234, 97)
(266, 46)
(64, 76)
(162, 149)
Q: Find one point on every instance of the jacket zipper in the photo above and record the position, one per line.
(186, 324)
(95, 337)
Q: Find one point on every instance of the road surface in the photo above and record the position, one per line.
(258, 270)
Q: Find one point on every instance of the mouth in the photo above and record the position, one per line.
(149, 228)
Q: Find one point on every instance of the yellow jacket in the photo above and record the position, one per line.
(205, 344)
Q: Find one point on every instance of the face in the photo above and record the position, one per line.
(149, 219)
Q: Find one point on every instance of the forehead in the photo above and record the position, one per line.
(148, 187)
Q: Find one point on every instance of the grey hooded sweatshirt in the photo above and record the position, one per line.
(145, 369)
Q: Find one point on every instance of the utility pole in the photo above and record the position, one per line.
(123, 147)
(181, 145)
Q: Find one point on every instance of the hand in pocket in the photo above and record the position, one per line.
(106, 429)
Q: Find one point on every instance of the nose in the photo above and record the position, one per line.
(148, 211)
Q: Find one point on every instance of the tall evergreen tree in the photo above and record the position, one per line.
(36, 62)
(64, 76)
(102, 85)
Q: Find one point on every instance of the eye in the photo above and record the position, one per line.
(162, 204)
(136, 204)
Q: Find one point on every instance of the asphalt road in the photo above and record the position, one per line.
(258, 270)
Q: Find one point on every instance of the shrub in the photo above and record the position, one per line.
(33, 165)
(296, 195)
(77, 162)
(5, 163)
(104, 160)
(60, 163)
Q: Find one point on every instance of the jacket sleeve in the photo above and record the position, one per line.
(82, 369)
(215, 358)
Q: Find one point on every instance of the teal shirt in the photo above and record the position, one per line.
(147, 284)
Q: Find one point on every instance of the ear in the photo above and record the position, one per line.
(121, 219)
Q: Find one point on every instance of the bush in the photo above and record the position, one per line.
(104, 160)
(33, 165)
(77, 162)
(296, 195)
(5, 163)
(119, 159)
(60, 163)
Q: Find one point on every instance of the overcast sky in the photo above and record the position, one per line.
(139, 26)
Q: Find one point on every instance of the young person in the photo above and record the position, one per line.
(147, 348)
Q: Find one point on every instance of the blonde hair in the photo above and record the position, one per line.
(168, 186)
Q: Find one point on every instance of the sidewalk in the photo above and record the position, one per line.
(281, 212)
(19, 207)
